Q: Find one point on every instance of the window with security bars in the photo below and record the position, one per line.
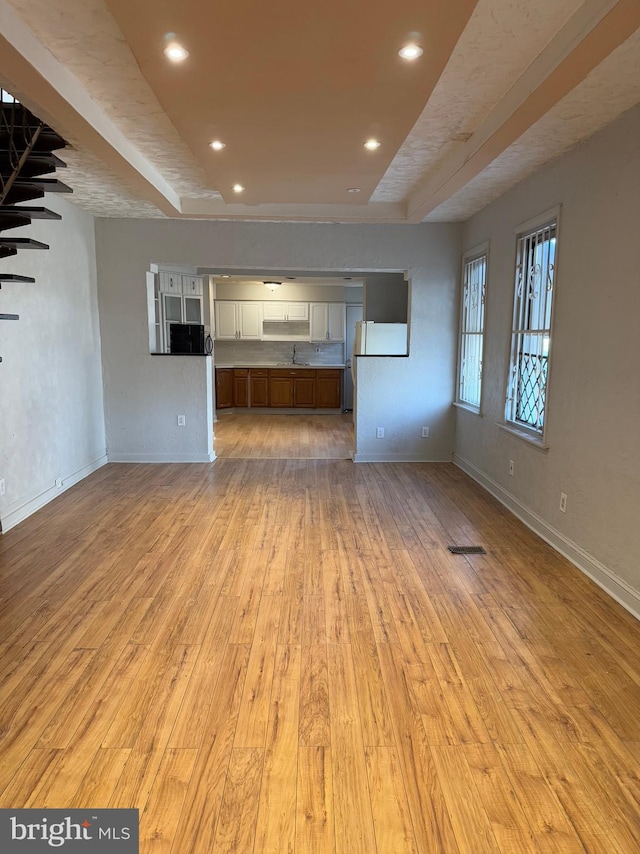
(474, 283)
(531, 334)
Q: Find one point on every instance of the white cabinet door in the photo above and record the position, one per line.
(274, 310)
(170, 283)
(192, 285)
(298, 311)
(192, 309)
(319, 321)
(327, 321)
(239, 319)
(250, 320)
(226, 319)
(336, 323)
(171, 313)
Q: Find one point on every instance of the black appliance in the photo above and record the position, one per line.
(186, 338)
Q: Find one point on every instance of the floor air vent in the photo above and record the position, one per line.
(466, 550)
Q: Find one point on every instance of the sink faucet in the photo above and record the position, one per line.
(293, 360)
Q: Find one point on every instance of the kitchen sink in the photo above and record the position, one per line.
(295, 364)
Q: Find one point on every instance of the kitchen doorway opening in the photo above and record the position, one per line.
(283, 343)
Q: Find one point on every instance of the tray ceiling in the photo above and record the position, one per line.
(295, 89)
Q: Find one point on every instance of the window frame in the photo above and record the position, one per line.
(470, 255)
(548, 218)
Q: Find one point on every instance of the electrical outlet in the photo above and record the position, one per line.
(317, 349)
(181, 421)
(511, 467)
(425, 432)
(563, 502)
(380, 433)
(2, 487)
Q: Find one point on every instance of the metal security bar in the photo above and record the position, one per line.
(472, 330)
(531, 334)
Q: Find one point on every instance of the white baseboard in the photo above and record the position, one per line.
(115, 457)
(17, 512)
(395, 458)
(616, 587)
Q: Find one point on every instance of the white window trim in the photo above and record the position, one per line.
(475, 252)
(531, 436)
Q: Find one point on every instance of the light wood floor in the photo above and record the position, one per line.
(242, 435)
(281, 656)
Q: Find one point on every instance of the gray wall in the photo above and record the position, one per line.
(52, 424)
(142, 398)
(594, 394)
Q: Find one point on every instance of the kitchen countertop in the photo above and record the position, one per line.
(315, 366)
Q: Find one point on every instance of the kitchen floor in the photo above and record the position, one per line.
(283, 437)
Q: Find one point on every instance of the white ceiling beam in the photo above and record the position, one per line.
(55, 95)
(590, 35)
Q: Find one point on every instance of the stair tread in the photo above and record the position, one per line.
(22, 243)
(45, 144)
(12, 219)
(40, 156)
(32, 212)
(49, 185)
(14, 277)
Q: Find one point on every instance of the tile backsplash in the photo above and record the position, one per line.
(254, 352)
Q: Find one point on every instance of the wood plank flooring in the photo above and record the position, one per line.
(281, 656)
(245, 435)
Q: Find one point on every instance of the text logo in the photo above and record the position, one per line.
(103, 831)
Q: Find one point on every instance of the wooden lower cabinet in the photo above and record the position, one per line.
(224, 388)
(280, 391)
(240, 387)
(329, 388)
(259, 387)
(304, 391)
(285, 388)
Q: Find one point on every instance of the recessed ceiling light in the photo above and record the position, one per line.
(217, 145)
(175, 52)
(238, 188)
(410, 51)
(372, 144)
(353, 190)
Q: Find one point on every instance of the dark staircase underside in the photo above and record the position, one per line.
(26, 155)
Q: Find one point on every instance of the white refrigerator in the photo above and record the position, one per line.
(380, 339)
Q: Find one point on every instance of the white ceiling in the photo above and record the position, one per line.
(504, 87)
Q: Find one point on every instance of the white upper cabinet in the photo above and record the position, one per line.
(327, 321)
(283, 311)
(226, 319)
(178, 283)
(238, 320)
(250, 320)
(298, 311)
(192, 285)
(170, 283)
